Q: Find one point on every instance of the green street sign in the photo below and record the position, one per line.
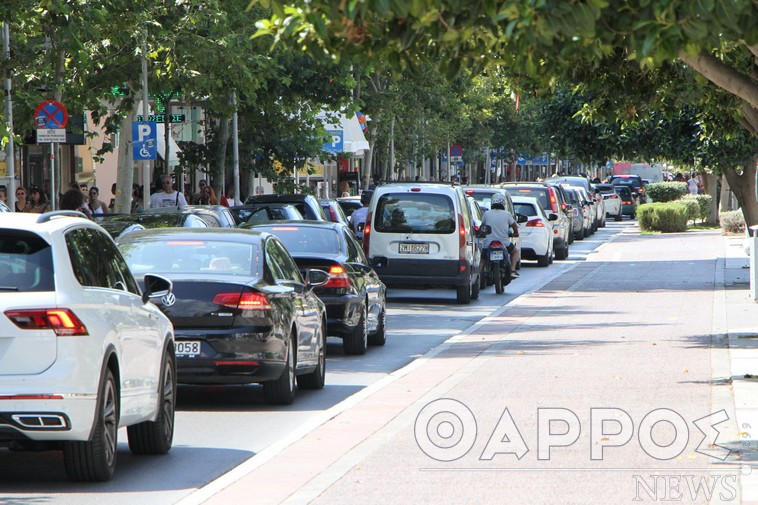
(161, 118)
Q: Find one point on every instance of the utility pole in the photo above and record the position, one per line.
(10, 158)
(145, 163)
(235, 151)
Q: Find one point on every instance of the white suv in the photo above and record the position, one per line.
(82, 350)
(421, 235)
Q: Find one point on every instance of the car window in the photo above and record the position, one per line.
(302, 240)
(414, 213)
(538, 193)
(526, 209)
(26, 262)
(192, 221)
(87, 250)
(352, 248)
(283, 266)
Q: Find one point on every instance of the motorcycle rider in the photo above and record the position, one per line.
(501, 221)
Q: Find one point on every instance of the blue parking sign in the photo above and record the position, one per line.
(144, 141)
(336, 144)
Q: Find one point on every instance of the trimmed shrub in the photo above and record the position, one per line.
(704, 203)
(666, 191)
(732, 222)
(693, 209)
(664, 217)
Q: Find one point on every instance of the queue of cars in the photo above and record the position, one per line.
(187, 296)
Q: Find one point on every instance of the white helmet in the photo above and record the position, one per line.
(498, 198)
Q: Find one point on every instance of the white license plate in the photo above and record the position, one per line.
(188, 348)
(496, 255)
(411, 248)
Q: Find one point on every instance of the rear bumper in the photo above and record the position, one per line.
(233, 356)
(343, 314)
(419, 273)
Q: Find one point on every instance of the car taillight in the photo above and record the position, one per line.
(615, 197)
(367, 233)
(497, 243)
(553, 200)
(537, 223)
(251, 300)
(626, 203)
(338, 278)
(461, 233)
(63, 321)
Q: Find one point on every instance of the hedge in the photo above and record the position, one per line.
(692, 206)
(663, 217)
(704, 203)
(732, 222)
(666, 191)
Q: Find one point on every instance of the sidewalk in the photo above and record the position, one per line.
(639, 330)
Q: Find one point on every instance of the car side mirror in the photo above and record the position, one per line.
(156, 286)
(315, 278)
(521, 219)
(552, 217)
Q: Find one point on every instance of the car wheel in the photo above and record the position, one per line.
(562, 253)
(619, 216)
(156, 437)
(282, 390)
(316, 378)
(580, 234)
(95, 459)
(357, 341)
(463, 294)
(475, 288)
(544, 260)
(379, 337)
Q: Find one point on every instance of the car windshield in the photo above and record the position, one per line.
(26, 262)
(185, 256)
(526, 209)
(307, 240)
(538, 193)
(624, 181)
(414, 213)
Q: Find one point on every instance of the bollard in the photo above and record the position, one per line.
(753, 233)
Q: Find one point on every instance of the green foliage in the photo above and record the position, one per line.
(666, 191)
(693, 208)
(732, 222)
(663, 217)
(704, 205)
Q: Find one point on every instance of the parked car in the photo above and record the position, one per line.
(611, 199)
(354, 296)
(552, 200)
(333, 211)
(577, 212)
(83, 351)
(307, 205)
(628, 201)
(537, 238)
(483, 196)
(588, 203)
(215, 216)
(600, 213)
(259, 212)
(241, 310)
(350, 204)
(420, 235)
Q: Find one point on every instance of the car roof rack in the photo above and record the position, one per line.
(47, 216)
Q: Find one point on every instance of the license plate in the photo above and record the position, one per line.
(412, 248)
(496, 255)
(187, 348)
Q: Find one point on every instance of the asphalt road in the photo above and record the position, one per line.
(219, 428)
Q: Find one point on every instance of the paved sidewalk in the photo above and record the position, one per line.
(648, 326)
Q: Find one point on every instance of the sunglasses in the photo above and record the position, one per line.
(166, 182)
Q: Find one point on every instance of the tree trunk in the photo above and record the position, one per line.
(219, 160)
(710, 187)
(125, 164)
(725, 200)
(743, 187)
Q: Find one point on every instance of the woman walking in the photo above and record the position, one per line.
(39, 203)
(22, 204)
(97, 207)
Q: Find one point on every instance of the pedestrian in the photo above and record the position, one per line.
(112, 204)
(375, 180)
(84, 188)
(38, 201)
(228, 200)
(167, 197)
(22, 204)
(97, 207)
(136, 199)
(195, 198)
(208, 196)
(73, 199)
(3, 195)
(692, 185)
(358, 218)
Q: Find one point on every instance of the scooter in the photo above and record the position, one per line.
(495, 266)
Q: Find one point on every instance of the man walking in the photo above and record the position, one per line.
(168, 197)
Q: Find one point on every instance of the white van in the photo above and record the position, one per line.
(420, 235)
(646, 171)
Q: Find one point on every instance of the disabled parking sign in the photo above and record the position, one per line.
(144, 141)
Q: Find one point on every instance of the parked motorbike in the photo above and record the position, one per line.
(495, 266)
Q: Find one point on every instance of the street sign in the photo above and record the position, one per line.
(456, 151)
(50, 135)
(456, 159)
(144, 141)
(336, 145)
(161, 118)
(51, 115)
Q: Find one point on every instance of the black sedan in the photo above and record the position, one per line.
(354, 295)
(242, 312)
